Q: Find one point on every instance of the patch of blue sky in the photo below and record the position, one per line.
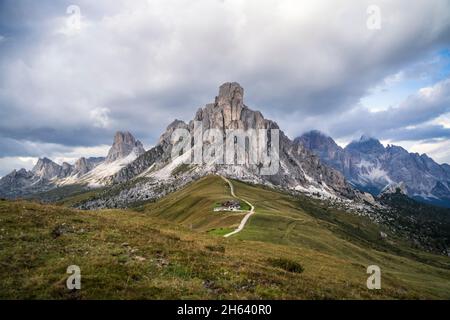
(397, 87)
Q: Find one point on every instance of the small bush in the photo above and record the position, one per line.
(60, 230)
(286, 264)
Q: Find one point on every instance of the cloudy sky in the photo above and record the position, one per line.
(74, 72)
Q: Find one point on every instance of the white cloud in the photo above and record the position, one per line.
(7, 164)
(439, 150)
(100, 117)
(312, 57)
(443, 120)
(74, 154)
(417, 110)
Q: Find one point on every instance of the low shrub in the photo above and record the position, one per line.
(286, 264)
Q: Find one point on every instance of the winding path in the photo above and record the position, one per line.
(247, 216)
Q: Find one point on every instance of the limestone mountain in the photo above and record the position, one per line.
(157, 173)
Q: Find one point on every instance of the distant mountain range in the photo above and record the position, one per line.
(93, 172)
(312, 163)
(371, 167)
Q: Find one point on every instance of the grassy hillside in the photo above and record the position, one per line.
(292, 248)
(427, 225)
(65, 195)
(193, 206)
(302, 222)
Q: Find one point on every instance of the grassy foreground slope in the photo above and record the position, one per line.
(144, 254)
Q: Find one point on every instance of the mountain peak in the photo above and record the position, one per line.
(121, 136)
(124, 143)
(46, 168)
(231, 101)
(315, 134)
(21, 171)
(42, 162)
(229, 90)
(229, 112)
(366, 144)
(317, 140)
(365, 138)
(45, 160)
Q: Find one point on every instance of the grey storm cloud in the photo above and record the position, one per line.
(13, 147)
(138, 65)
(84, 136)
(408, 121)
(426, 133)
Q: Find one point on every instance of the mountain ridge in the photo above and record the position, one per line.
(370, 166)
(47, 174)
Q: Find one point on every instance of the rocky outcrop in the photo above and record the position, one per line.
(67, 169)
(395, 188)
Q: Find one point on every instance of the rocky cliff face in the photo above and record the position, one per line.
(370, 166)
(82, 166)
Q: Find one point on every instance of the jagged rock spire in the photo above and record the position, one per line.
(124, 143)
